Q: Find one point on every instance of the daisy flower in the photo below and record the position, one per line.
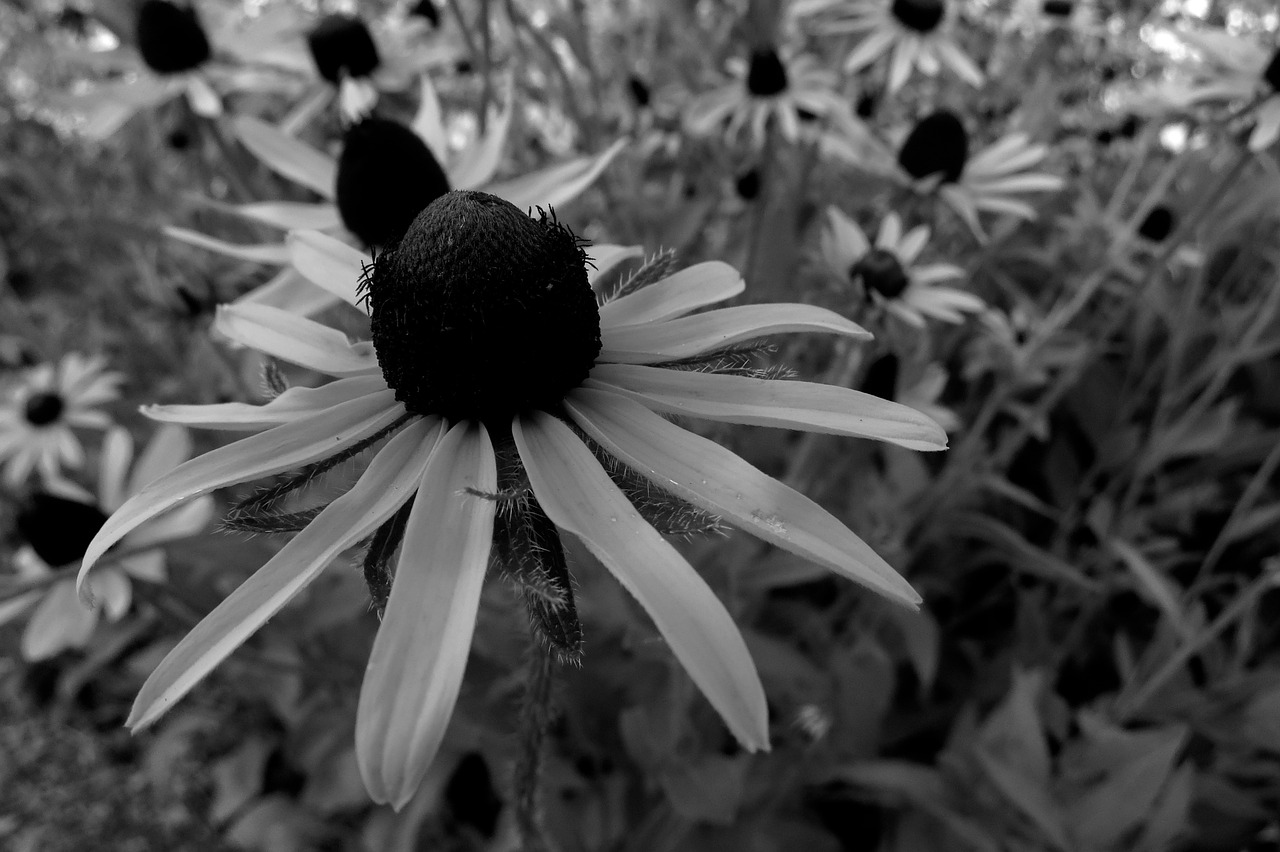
(765, 89)
(935, 157)
(506, 394)
(887, 271)
(56, 530)
(384, 176)
(914, 34)
(36, 421)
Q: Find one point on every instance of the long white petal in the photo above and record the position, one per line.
(428, 123)
(477, 164)
(287, 156)
(274, 451)
(676, 295)
(276, 254)
(416, 666)
(329, 263)
(808, 406)
(169, 447)
(384, 487)
(295, 339)
(717, 480)
(293, 404)
(289, 291)
(291, 215)
(578, 496)
(558, 184)
(689, 336)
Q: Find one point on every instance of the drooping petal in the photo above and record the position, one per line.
(428, 123)
(384, 487)
(578, 496)
(275, 254)
(717, 480)
(689, 336)
(291, 292)
(676, 295)
(295, 339)
(60, 622)
(478, 163)
(291, 215)
(807, 406)
(113, 468)
(416, 666)
(169, 447)
(295, 403)
(557, 184)
(328, 263)
(181, 522)
(274, 451)
(287, 156)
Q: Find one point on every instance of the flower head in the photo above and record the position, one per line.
(503, 469)
(342, 46)
(170, 37)
(923, 16)
(937, 145)
(36, 421)
(766, 75)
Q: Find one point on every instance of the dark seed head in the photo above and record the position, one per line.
(481, 312)
(178, 139)
(1272, 73)
(882, 377)
(170, 37)
(748, 184)
(59, 530)
(866, 105)
(767, 75)
(386, 177)
(1058, 8)
(1158, 224)
(881, 271)
(426, 9)
(639, 91)
(938, 143)
(342, 43)
(1129, 127)
(923, 16)
(44, 408)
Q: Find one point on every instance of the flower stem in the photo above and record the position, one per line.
(535, 719)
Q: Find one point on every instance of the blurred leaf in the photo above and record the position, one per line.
(708, 788)
(237, 778)
(1106, 812)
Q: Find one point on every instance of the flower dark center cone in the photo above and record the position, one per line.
(1158, 224)
(342, 43)
(1272, 74)
(386, 177)
(881, 271)
(748, 185)
(767, 75)
(426, 9)
(639, 91)
(481, 312)
(923, 16)
(938, 144)
(1058, 8)
(170, 37)
(44, 408)
(59, 530)
(882, 377)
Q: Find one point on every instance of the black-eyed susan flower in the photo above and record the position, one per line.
(935, 157)
(913, 34)
(770, 87)
(41, 411)
(385, 174)
(56, 529)
(1038, 16)
(887, 272)
(505, 400)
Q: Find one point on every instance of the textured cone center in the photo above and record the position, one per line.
(923, 16)
(59, 530)
(881, 271)
(1157, 225)
(386, 177)
(1058, 8)
(44, 408)
(342, 43)
(767, 75)
(170, 37)
(938, 144)
(1272, 73)
(481, 312)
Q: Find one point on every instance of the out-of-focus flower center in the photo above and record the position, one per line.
(639, 91)
(342, 43)
(59, 530)
(44, 408)
(1158, 224)
(881, 271)
(939, 144)
(386, 177)
(1272, 73)
(748, 184)
(923, 16)
(767, 75)
(170, 37)
(426, 9)
(481, 312)
(1058, 8)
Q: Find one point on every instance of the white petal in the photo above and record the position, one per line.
(715, 479)
(478, 163)
(295, 339)
(287, 156)
(578, 496)
(384, 487)
(274, 451)
(291, 215)
(812, 407)
(289, 291)
(603, 257)
(276, 254)
(416, 666)
(555, 185)
(427, 123)
(60, 621)
(294, 404)
(114, 591)
(169, 447)
(676, 295)
(182, 522)
(113, 468)
(689, 336)
(328, 263)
